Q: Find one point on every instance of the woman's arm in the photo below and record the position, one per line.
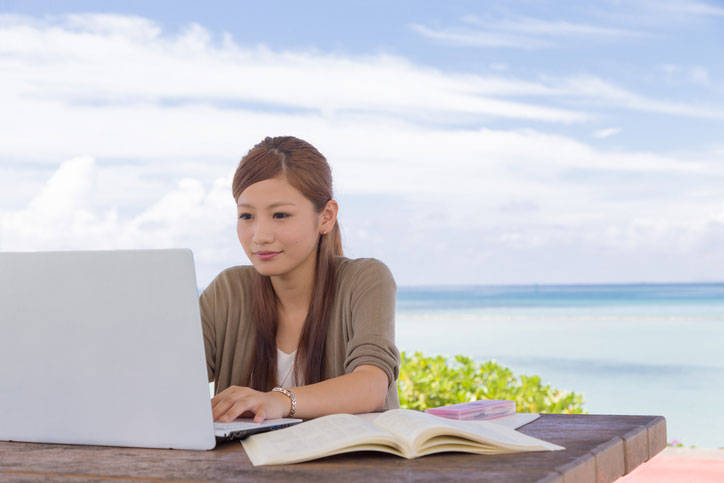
(371, 362)
(362, 391)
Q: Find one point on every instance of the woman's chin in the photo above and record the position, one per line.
(265, 269)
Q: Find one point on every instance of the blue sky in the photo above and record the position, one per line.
(471, 142)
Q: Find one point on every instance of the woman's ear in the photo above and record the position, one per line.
(328, 216)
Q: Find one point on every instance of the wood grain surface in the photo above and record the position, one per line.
(599, 448)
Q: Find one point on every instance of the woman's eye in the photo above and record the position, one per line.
(278, 215)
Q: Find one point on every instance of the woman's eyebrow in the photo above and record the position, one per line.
(273, 205)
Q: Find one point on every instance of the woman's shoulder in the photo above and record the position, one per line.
(354, 265)
(237, 271)
(231, 279)
(351, 272)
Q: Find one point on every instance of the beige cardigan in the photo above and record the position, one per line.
(361, 328)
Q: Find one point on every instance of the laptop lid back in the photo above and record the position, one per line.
(103, 348)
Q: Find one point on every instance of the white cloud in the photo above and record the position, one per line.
(119, 87)
(68, 189)
(607, 132)
(552, 28)
(478, 38)
(502, 192)
(592, 87)
(165, 119)
(668, 69)
(699, 75)
(519, 32)
(65, 215)
(91, 60)
(688, 7)
(122, 27)
(61, 214)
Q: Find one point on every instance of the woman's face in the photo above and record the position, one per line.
(278, 227)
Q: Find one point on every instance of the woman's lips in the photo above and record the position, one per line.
(267, 255)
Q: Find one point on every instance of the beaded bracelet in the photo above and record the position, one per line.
(289, 394)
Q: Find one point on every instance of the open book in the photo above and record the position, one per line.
(401, 432)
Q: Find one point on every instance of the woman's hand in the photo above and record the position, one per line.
(237, 401)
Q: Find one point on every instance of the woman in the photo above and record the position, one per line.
(304, 331)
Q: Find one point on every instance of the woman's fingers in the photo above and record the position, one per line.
(221, 408)
(221, 403)
(236, 403)
(260, 415)
(239, 401)
(240, 407)
(245, 407)
(225, 394)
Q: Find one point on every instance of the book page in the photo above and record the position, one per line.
(501, 436)
(439, 444)
(407, 425)
(414, 428)
(316, 438)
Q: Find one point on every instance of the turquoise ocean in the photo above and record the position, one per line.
(628, 349)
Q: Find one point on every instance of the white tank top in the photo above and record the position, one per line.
(285, 369)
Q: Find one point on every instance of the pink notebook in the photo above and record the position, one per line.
(475, 410)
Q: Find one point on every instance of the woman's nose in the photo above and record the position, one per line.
(262, 234)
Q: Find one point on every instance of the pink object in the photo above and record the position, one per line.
(475, 410)
(267, 255)
(665, 468)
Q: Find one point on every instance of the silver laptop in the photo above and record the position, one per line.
(106, 348)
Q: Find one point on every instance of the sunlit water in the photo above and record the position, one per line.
(629, 349)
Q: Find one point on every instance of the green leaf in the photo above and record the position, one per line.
(433, 381)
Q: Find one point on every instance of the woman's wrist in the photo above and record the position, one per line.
(291, 401)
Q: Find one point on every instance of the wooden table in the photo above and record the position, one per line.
(598, 448)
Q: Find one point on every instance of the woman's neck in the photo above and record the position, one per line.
(294, 294)
(293, 298)
(294, 289)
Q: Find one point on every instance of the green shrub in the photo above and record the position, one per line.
(427, 382)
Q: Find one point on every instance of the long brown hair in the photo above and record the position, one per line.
(306, 170)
